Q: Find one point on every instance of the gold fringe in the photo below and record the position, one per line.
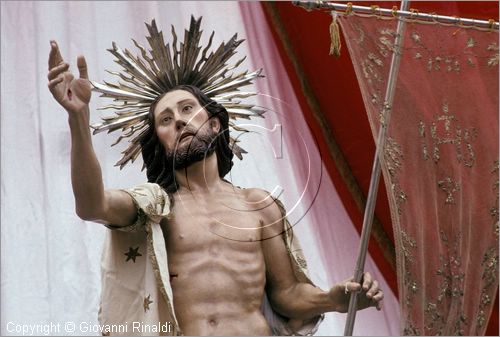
(335, 37)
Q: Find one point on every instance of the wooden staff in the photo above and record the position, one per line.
(374, 182)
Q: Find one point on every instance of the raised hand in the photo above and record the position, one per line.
(370, 295)
(73, 94)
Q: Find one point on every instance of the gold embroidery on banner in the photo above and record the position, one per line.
(408, 246)
(386, 42)
(383, 112)
(388, 31)
(493, 60)
(450, 289)
(370, 65)
(492, 47)
(445, 130)
(494, 208)
(408, 243)
(429, 64)
(470, 43)
(393, 159)
(372, 57)
(437, 63)
(490, 265)
(393, 155)
(361, 39)
(452, 62)
(449, 186)
(448, 63)
(490, 261)
(480, 319)
(385, 46)
(489, 278)
(469, 136)
(400, 197)
(410, 329)
(421, 132)
(415, 37)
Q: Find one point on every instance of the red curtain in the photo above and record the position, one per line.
(440, 165)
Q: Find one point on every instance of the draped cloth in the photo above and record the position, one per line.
(440, 166)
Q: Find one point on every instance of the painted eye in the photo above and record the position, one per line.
(166, 119)
(187, 108)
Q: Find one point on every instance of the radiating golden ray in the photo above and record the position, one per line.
(143, 78)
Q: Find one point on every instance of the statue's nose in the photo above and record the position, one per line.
(180, 124)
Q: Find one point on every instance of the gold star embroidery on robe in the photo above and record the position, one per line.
(147, 302)
(132, 254)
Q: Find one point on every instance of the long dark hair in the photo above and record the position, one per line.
(159, 169)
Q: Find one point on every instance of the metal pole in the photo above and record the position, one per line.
(410, 15)
(374, 182)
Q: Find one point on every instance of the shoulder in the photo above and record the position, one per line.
(150, 198)
(260, 197)
(147, 186)
(255, 194)
(271, 209)
(146, 190)
(263, 198)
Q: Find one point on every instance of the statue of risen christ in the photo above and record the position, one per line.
(228, 248)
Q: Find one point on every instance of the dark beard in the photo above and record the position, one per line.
(202, 145)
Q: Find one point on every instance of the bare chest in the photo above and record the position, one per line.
(222, 223)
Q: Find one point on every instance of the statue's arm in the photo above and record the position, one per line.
(301, 300)
(92, 202)
(287, 295)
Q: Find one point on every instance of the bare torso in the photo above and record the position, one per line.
(216, 263)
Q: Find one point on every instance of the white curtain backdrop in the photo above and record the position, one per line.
(50, 261)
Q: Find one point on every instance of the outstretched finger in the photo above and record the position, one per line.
(52, 84)
(55, 57)
(56, 71)
(82, 67)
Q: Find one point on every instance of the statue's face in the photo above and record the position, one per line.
(183, 127)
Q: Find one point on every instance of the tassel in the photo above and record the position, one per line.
(335, 36)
